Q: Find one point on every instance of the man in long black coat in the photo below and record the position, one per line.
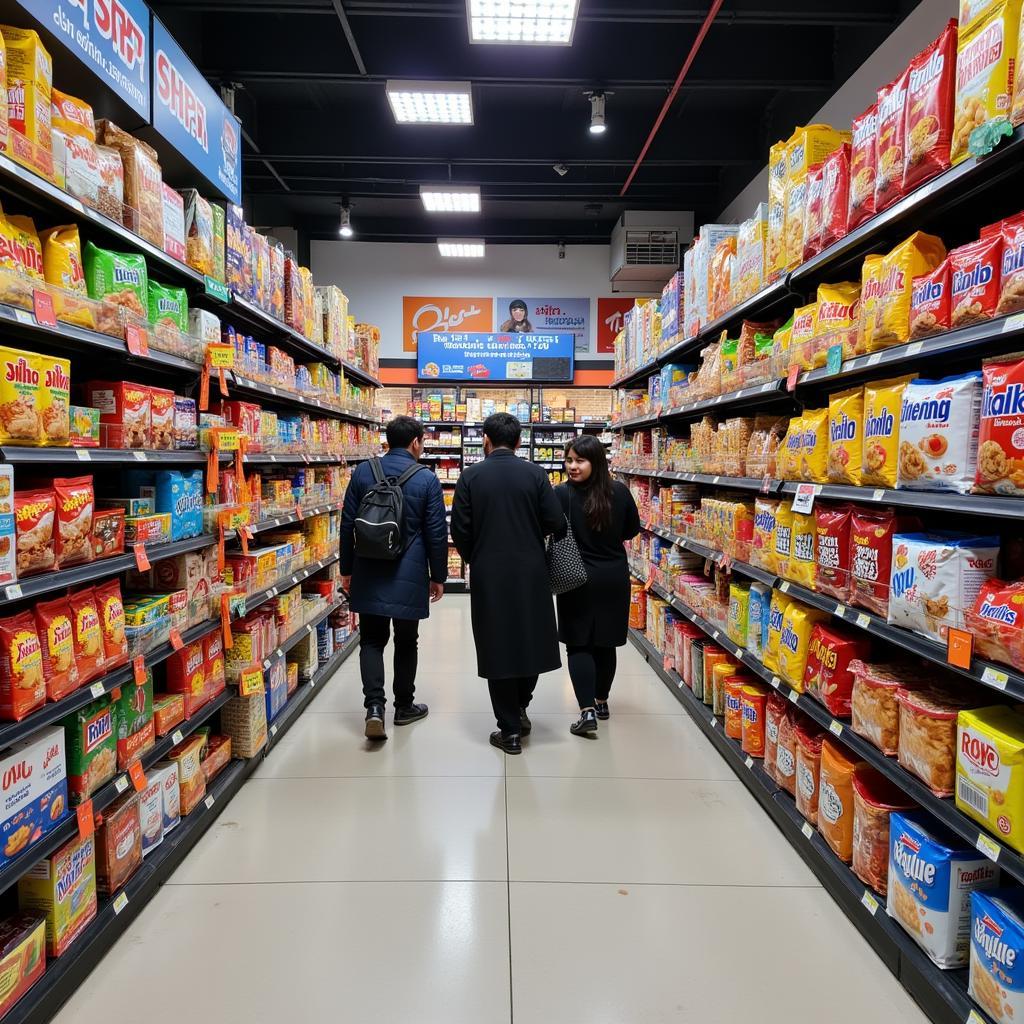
(504, 508)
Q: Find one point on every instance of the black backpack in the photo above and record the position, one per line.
(379, 525)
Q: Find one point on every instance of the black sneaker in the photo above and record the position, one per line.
(375, 722)
(601, 707)
(525, 725)
(586, 725)
(510, 744)
(410, 713)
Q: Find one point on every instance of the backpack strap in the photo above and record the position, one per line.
(378, 470)
(410, 472)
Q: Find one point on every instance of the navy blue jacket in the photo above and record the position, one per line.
(397, 589)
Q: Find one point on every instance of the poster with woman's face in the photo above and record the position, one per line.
(526, 315)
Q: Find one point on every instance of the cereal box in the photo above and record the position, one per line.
(990, 771)
(119, 844)
(166, 773)
(932, 874)
(21, 421)
(151, 815)
(22, 956)
(92, 748)
(929, 121)
(124, 413)
(34, 791)
(996, 983)
(974, 271)
(63, 888)
(891, 141)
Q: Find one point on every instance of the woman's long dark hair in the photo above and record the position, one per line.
(597, 491)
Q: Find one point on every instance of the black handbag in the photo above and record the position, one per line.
(566, 568)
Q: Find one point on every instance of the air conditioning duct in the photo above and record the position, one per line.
(646, 248)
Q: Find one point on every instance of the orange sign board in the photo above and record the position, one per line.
(443, 313)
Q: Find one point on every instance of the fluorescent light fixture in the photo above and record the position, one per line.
(430, 102)
(450, 198)
(346, 230)
(461, 248)
(522, 22)
(597, 121)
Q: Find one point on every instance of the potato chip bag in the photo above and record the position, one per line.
(54, 397)
(787, 462)
(168, 306)
(802, 564)
(775, 250)
(814, 449)
(119, 275)
(863, 165)
(30, 252)
(807, 146)
(893, 289)
(739, 607)
(880, 449)
(870, 286)
(71, 115)
(837, 317)
(795, 642)
(762, 548)
(801, 343)
(783, 537)
(62, 258)
(845, 436)
(776, 613)
(812, 211)
(930, 303)
(891, 141)
(929, 123)
(835, 195)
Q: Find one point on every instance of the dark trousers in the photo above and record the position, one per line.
(507, 697)
(592, 671)
(374, 632)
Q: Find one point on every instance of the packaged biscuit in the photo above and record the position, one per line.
(891, 141)
(837, 318)
(874, 706)
(883, 401)
(932, 874)
(997, 622)
(1011, 276)
(996, 983)
(1001, 430)
(990, 771)
(775, 251)
(75, 502)
(775, 710)
(776, 613)
(832, 550)
(939, 422)
(835, 798)
(875, 798)
(795, 642)
(198, 231)
(762, 548)
(809, 739)
(783, 537)
(835, 195)
(119, 844)
(815, 446)
(974, 279)
(892, 289)
(870, 290)
(112, 623)
(929, 109)
(133, 720)
(863, 164)
(827, 676)
(1017, 110)
(927, 741)
(845, 433)
(29, 87)
(54, 399)
(749, 273)
(802, 560)
(143, 181)
(118, 277)
(71, 115)
(930, 307)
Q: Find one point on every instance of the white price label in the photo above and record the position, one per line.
(776, 681)
(714, 723)
(836, 728)
(210, 801)
(749, 762)
(807, 830)
(295, 579)
(122, 783)
(793, 696)
(870, 902)
(83, 454)
(878, 495)
(805, 495)
(874, 360)
(914, 347)
(841, 611)
(993, 677)
(13, 592)
(975, 1018)
(139, 456)
(96, 689)
(987, 846)
(120, 902)
(176, 737)
(770, 386)
(273, 458)
(784, 586)
(715, 635)
(1013, 323)
(863, 621)
(273, 729)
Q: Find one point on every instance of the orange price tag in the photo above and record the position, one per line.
(86, 819)
(959, 648)
(220, 548)
(794, 372)
(223, 379)
(141, 558)
(298, 512)
(649, 583)
(43, 302)
(204, 389)
(136, 339)
(176, 642)
(139, 668)
(138, 776)
(225, 622)
(243, 536)
(115, 694)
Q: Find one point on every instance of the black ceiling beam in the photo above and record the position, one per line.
(339, 11)
(709, 160)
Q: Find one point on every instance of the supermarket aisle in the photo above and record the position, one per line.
(631, 878)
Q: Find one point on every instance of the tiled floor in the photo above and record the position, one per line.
(432, 880)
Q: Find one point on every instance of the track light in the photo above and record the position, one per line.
(597, 122)
(346, 230)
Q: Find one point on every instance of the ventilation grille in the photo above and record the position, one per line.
(652, 248)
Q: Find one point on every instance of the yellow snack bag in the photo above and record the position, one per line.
(837, 317)
(775, 248)
(881, 445)
(739, 606)
(71, 115)
(787, 461)
(870, 284)
(30, 252)
(776, 613)
(807, 146)
(892, 288)
(845, 436)
(795, 642)
(986, 59)
(54, 399)
(814, 449)
(802, 563)
(20, 421)
(62, 258)
(1017, 112)
(801, 342)
(762, 546)
(783, 537)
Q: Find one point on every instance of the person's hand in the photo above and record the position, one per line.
(436, 592)
(346, 584)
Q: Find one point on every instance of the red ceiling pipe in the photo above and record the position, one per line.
(683, 72)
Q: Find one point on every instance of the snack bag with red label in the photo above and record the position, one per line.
(893, 288)
(812, 211)
(871, 534)
(974, 273)
(35, 514)
(112, 625)
(997, 622)
(89, 651)
(930, 302)
(1001, 431)
(22, 686)
(835, 195)
(929, 109)
(837, 317)
(125, 413)
(57, 639)
(213, 658)
(832, 575)
(54, 400)
(827, 676)
(891, 144)
(76, 501)
(863, 166)
(1011, 275)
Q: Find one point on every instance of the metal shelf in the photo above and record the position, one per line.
(272, 394)
(112, 456)
(254, 600)
(291, 458)
(359, 375)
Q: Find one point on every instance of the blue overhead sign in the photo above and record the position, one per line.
(481, 357)
(111, 37)
(191, 117)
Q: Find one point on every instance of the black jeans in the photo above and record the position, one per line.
(374, 631)
(592, 671)
(507, 697)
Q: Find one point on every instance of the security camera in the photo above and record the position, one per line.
(560, 169)
(561, 250)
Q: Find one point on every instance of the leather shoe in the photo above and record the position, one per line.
(375, 723)
(525, 725)
(601, 707)
(587, 724)
(510, 744)
(410, 713)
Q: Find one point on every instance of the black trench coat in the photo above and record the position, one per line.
(504, 508)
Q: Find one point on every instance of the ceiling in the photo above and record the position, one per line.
(318, 128)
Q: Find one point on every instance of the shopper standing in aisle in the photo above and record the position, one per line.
(504, 508)
(593, 620)
(398, 589)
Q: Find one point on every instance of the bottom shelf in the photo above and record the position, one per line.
(64, 975)
(942, 995)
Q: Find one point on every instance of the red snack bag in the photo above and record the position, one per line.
(835, 195)
(871, 533)
(775, 710)
(997, 622)
(874, 798)
(35, 514)
(125, 413)
(57, 640)
(832, 573)
(929, 109)
(827, 676)
(812, 214)
(1011, 275)
(808, 768)
(974, 277)
(186, 674)
(213, 659)
(111, 612)
(75, 503)
(1000, 468)
(930, 302)
(891, 144)
(85, 617)
(22, 686)
(785, 753)
(863, 167)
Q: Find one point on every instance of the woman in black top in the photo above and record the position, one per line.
(593, 619)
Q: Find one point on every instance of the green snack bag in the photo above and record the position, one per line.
(763, 344)
(730, 355)
(133, 715)
(117, 273)
(91, 739)
(168, 306)
(219, 235)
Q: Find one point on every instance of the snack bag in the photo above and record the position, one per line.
(812, 212)
(871, 546)
(809, 739)
(35, 514)
(75, 503)
(29, 87)
(837, 317)
(835, 799)
(863, 165)
(802, 562)
(56, 638)
(890, 323)
(753, 704)
(939, 423)
(832, 551)
(974, 274)
(788, 459)
(870, 290)
(168, 306)
(930, 308)
(119, 277)
(827, 676)
(783, 537)
(795, 642)
(143, 181)
(89, 652)
(1017, 110)
(1011, 276)
(997, 622)
(806, 146)
(1001, 431)
(814, 450)
(775, 249)
(22, 685)
(71, 116)
(776, 613)
(882, 407)
(762, 548)
(835, 195)
(929, 109)
(112, 624)
(62, 258)
(54, 399)
(739, 607)
(786, 752)
(30, 250)
(874, 800)
(802, 349)
(891, 144)
(757, 619)
(927, 741)
(845, 431)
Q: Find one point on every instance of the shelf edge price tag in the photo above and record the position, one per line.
(120, 902)
(987, 846)
(86, 819)
(250, 681)
(714, 723)
(138, 776)
(139, 669)
(210, 801)
(794, 697)
(216, 289)
(794, 372)
(749, 762)
(993, 677)
(13, 592)
(805, 495)
(834, 360)
(121, 784)
(42, 302)
(863, 621)
(176, 737)
(96, 690)
(136, 339)
(959, 648)
(176, 642)
(273, 729)
(870, 902)
(836, 728)
(141, 558)
(807, 830)
(220, 357)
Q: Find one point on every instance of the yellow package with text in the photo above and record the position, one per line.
(881, 444)
(837, 317)
(762, 547)
(814, 446)
(787, 460)
(1017, 111)
(845, 436)
(776, 613)
(783, 537)
(795, 642)
(807, 146)
(775, 247)
(891, 287)
(801, 340)
(869, 285)
(805, 546)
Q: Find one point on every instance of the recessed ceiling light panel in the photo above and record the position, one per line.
(461, 248)
(523, 22)
(450, 198)
(430, 102)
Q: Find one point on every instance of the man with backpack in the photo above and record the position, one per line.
(394, 562)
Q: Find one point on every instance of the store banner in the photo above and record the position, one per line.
(611, 318)
(484, 356)
(191, 117)
(443, 313)
(110, 37)
(545, 316)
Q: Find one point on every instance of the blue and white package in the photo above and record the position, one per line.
(181, 495)
(997, 953)
(193, 502)
(757, 619)
(932, 874)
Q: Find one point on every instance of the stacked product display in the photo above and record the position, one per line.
(827, 451)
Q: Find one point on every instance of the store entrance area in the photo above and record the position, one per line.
(433, 879)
